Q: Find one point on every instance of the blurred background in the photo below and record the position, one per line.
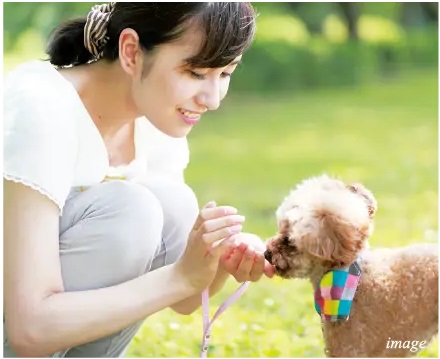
(349, 89)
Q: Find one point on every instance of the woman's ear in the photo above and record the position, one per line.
(129, 51)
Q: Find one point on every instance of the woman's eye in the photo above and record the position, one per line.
(196, 75)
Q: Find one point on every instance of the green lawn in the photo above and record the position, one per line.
(253, 150)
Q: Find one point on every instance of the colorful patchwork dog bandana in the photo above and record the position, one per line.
(335, 292)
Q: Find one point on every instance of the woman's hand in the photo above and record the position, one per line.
(246, 261)
(208, 241)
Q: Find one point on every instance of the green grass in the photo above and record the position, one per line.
(252, 151)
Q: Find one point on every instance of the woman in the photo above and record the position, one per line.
(100, 229)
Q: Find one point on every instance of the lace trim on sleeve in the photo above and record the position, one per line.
(19, 179)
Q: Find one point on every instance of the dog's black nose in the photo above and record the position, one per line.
(268, 256)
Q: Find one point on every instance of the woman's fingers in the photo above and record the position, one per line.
(232, 261)
(221, 248)
(245, 264)
(212, 230)
(227, 254)
(258, 267)
(212, 225)
(245, 260)
(212, 237)
(210, 212)
(269, 269)
(245, 267)
(200, 218)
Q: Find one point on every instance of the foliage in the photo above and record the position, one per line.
(286, 55)
(42, 17)
(255, 149)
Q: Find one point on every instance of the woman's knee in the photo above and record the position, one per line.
(116, 237)
(180, 210)
(178, 201)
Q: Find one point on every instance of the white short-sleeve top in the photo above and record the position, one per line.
(51, 144)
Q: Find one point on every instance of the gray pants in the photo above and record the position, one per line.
(117, 231)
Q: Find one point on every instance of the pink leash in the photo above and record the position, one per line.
(207, 324)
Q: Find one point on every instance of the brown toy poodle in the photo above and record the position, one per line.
(372, 303)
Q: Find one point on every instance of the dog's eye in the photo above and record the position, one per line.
(285, 241)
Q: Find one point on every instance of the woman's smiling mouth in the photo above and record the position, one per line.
(190, 118)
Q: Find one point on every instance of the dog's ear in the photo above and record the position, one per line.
(361, 190)
(336, 242)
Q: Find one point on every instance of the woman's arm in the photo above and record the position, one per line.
(192, 303)
(42, 319)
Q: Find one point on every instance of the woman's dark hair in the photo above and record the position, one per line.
(228, 30)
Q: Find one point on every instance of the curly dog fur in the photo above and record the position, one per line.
(325, 224)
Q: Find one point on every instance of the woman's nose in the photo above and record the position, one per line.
(210, 96)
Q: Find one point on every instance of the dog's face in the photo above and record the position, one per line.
(322, 224)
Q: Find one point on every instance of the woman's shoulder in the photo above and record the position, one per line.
(35, 82)
(39, 131)
(35, 94)
(31, 70)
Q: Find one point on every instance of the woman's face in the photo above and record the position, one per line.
(174, 97)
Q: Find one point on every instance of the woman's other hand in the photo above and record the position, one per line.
(208, 241)
(245, 260)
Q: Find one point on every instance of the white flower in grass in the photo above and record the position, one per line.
(174, 326)
(256, 328)
(243, 326)
(269, 302)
